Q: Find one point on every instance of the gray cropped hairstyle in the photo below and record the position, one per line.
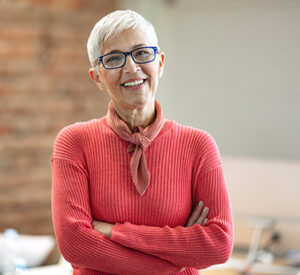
(113, 24)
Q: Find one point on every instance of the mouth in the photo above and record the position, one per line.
(133, 83)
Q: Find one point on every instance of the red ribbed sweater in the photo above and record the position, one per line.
(92, 180)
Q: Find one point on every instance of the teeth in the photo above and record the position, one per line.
(133, 83)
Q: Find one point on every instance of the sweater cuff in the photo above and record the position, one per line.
(116, 235)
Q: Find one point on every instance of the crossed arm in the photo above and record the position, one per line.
(194, 245)
(199, 216)
(136, 249)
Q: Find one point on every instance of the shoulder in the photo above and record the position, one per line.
(71, 140)
(201, 139)
(77, 132)
(200, 144)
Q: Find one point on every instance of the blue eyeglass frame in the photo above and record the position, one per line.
(100, 58)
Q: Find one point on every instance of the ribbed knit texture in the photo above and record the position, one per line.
(92, 180)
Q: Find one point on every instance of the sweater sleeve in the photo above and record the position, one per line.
(78, 242)
(196, 246)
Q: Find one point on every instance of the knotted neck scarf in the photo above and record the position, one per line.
(139, 142)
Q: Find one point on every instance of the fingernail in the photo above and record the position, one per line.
(200, 203)
(205, 209)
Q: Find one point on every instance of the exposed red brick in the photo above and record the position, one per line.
(44, 86)
(5, 129)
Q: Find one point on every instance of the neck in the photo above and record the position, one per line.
(142, 116)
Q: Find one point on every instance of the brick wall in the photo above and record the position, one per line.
(44, 85)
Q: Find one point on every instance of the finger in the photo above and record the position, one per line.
(95, 223)
(203, 216)
(205, 221)
(195, 215)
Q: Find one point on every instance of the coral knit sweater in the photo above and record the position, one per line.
(92, 181)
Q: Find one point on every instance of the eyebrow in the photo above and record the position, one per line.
(134, 47)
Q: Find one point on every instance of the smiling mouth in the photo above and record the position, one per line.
(134, 83)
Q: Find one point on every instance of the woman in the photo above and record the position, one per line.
(129, 188)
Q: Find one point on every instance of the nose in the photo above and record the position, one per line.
(130, 66)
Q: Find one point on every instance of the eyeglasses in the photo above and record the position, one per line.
(118, 59)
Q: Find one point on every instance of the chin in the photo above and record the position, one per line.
(141, 101)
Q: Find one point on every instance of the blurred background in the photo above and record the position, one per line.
(232, 69)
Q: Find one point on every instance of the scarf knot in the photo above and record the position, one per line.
(137, 139)
(139, 142)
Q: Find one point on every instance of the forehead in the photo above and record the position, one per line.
(127, 40)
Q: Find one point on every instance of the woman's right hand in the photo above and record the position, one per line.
(199, 215)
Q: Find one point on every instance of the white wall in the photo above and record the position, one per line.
(233, 69)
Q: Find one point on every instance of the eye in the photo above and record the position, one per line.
(141, 53)
(113, 59)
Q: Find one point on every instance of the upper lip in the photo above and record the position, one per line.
(133, 79)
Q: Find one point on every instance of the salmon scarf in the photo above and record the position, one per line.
(139, 140)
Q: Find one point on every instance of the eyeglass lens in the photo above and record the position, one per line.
(115, 60)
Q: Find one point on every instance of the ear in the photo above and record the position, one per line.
(161, 64)
(94, 74)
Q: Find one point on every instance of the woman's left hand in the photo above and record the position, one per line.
(103, 228)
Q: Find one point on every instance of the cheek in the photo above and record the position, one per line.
(152, 72)
(112, 79)
(155, 78)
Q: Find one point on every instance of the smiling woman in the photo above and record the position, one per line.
(130, 82)
(132, 88)
(134, 193)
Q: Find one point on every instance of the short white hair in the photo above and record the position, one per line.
(113, 24)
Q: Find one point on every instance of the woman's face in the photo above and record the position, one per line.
(112, 81)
